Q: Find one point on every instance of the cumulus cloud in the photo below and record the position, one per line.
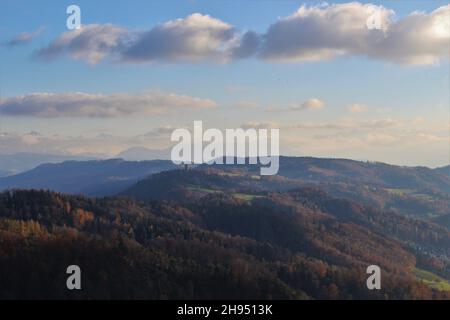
(196, 37)
(24, 38)
(318, 33)
(310, 104)
(247, 46)
(417, 39)
(312, 33)
(357, 108)
(91, 43)
(78, 104)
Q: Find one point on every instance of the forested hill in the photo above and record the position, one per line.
(444, 170)
(329, 170)
(179, 185)
(296, 245)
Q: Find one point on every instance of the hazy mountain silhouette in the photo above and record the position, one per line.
(95, 178)
(19, 162)
(141, 153)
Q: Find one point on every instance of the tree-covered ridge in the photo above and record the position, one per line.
(220, 247)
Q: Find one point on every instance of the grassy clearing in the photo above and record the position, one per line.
(205, 190)
(241, 196)
(230, 174)
(432, 280)
(245, 196)
(423, 196)
(399, 191)
(409, 192)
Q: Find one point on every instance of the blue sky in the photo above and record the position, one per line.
(377, 104)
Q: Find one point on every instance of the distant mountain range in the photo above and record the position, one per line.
(11, 164)
(94, 178)
(340, 177)
(141, 154)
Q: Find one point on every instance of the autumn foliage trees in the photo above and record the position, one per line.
(300, 244)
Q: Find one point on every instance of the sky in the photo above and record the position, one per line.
(360, 80)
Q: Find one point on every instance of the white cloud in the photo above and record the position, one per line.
(357, 108)
(196, 37)
(417, 39)
(91, 43)
(24, 38)
(320, 33)
(78, 104)
(310, 34)
(310, 104)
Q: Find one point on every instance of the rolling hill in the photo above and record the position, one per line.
(444, 170)
(410, 191)
(324, 170)
(415, 201)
